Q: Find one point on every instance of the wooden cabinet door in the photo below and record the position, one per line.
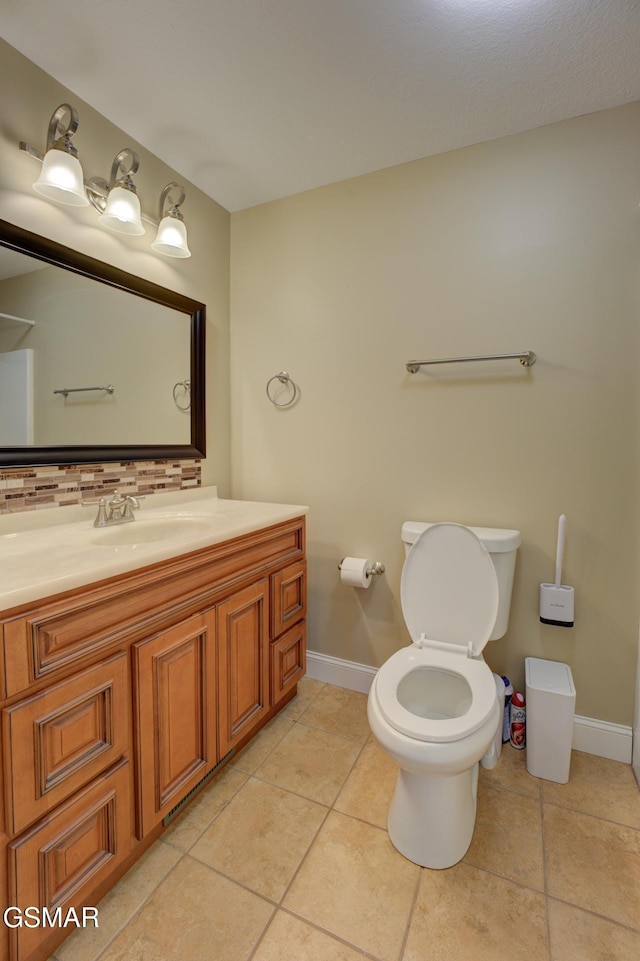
(175, 715)
(243, 662)
(57, 740)
(65, 856)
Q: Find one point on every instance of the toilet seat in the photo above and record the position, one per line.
(449, 588)
(449, 592)
(476, 674)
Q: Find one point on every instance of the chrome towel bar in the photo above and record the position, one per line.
(526, 357)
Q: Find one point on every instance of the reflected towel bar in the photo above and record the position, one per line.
(77, 390)
(526, 357)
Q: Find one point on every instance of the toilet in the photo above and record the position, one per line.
(433, 705)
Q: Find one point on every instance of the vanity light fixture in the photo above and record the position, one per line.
(116, 200)
(121, 209)
(171, 238)
(61, 178)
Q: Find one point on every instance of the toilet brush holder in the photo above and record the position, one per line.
(556, 604)
(556, 600)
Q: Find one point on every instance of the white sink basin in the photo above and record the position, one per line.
(149, 531)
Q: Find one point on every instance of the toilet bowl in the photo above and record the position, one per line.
(433, 705)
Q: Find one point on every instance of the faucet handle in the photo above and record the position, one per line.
(130, 503)
(101, 516)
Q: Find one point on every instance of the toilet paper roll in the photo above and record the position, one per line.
(354, 571)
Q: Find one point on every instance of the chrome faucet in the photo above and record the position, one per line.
(117, 510)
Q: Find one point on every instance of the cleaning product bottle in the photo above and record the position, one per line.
(517, 738)
(506, 723)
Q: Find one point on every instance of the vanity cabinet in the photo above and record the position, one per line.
(119, 698)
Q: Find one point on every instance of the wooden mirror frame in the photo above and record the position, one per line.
(25, 242)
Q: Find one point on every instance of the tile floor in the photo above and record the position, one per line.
(285, 856)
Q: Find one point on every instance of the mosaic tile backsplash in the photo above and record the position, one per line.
(37, 488)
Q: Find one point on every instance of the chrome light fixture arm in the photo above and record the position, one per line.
(174, 205)
(58, 135)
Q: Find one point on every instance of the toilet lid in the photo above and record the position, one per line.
(449, 588)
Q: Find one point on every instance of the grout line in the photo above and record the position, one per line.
(343, 737)
(131, 917)
(589, 814)
(545, 882)
(331, 934)
(594, 914)
(167, 839)
(412, 909)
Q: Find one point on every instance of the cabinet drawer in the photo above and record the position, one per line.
(288, 661)
(288, 597)
(63, 858)
(58, 740)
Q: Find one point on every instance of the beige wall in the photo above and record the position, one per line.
(28, 96)
(530, 242)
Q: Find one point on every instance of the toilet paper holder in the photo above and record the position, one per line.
(376, 568)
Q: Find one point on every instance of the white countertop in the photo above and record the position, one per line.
(47, 552)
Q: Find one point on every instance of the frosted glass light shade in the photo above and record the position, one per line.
(61, 179)
(122, 212)
(171, 238)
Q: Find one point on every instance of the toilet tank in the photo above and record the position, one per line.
(502, 546)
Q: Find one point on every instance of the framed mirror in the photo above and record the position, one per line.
(96, 364)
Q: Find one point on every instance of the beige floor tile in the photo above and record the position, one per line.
(120, 904)
(308, 690)
(598, 786)
(593, 863)
(339, 711)
(464, 914)
(510, 773)
(259, 747)
(261, 837)
(195, 915)
(578, 936)
(508, 837)
(310, 762)
(369, 788)
(187, 828)
(354, 884)
(289, 938)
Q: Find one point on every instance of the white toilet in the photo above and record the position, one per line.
(433, 705)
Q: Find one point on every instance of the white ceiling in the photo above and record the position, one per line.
(257, 99)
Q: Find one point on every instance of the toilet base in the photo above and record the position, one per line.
(431, 819)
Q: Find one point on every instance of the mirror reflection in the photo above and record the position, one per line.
(89, 362)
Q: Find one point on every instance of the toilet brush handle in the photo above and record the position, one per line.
(562, 525)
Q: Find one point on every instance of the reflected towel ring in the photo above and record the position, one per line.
(182, 392)
(284, 378)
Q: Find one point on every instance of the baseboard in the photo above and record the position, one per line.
(592, 736)
(335, 670)
(613, 741)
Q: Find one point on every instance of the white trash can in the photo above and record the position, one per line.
(551, 701)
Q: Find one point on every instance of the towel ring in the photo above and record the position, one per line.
(182, 391)
(283, 378)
